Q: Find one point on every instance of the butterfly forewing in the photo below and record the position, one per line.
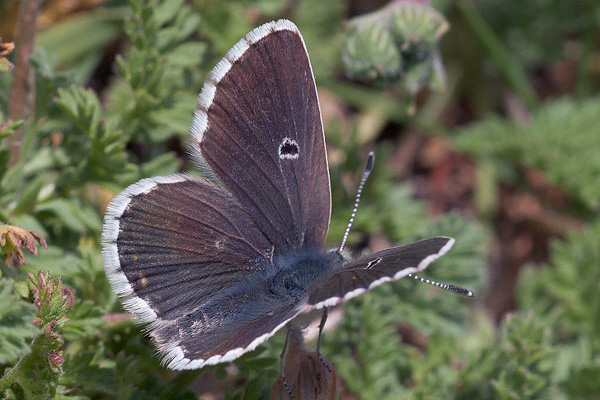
(258, 127)
(357, 276)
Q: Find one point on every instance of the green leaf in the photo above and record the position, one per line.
(566, 290)
(518, 365)
(95, 149)
(72, 214)
(5, 65)
(85, 320)
(161, 165)
(29, 197)
(46, 158)
(167, 10)
(186, 55)
(104, 23)
(9, 128)
(16, 328)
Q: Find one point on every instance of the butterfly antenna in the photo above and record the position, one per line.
(368, 169)
(451, 288)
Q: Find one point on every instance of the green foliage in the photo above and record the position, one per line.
(158, 67)
(397, 47)
(259, 370)
(97, 150)
(566, 292)
(16, 329)
(561, 140)
(369, 335)
(520, 364)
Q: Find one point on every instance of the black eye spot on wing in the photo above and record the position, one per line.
(289, 149)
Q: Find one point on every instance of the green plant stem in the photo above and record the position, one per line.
(15, 374)
(509, 66)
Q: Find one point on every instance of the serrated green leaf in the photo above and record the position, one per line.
(167, 10)
(29, 197)
(519, 364)
(46, 158)
(85, 319)
(186, 55)
(161, 165)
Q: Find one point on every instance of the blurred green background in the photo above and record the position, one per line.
(485, 118)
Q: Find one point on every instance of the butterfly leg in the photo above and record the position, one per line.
(321, 326)
(282, 360)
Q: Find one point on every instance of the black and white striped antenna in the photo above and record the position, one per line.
(368, 169)
(451, 288)
(370, 163)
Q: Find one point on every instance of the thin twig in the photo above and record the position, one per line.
(25, 41)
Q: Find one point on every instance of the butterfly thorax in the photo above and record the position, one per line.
(298, 270)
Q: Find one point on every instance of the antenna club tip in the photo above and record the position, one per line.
(451, 288)
(460, 290)
(370, 163)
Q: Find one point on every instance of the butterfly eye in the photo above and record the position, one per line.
(288, 149)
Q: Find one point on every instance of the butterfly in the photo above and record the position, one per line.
(215, 266)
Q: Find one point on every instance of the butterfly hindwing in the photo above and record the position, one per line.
(258, 127)
(187, 258)
(246, 326)
(357, 276)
